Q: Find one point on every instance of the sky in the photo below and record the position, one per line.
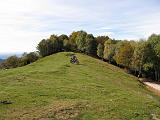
(24, 23)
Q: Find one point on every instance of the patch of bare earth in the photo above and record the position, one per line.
(154, 117)
(67, 113)
(62, 110)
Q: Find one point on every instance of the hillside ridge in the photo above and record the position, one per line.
(53, 88)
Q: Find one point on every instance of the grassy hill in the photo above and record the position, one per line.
(54, 89)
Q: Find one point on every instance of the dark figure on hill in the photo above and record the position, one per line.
(74, 60)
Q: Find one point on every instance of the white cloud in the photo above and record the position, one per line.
(105, 28)
(110, 34)
(23, 23)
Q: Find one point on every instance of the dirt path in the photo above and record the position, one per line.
(153, 85)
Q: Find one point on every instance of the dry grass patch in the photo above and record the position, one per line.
(59, 110)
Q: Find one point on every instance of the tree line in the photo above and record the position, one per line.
(141, 58)
(14, 61)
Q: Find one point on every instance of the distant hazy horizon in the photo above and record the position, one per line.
(6, 55)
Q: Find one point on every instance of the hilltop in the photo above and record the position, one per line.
(53, 88)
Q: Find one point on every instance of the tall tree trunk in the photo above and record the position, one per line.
(158, 76)
(140, 71)
(135, 72)
(155, 75)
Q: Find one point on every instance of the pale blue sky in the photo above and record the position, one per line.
(23, 23)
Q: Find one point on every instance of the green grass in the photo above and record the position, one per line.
(54, 89)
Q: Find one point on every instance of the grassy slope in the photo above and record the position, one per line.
(52, 88)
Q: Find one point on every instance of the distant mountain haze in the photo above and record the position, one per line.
(4, 56)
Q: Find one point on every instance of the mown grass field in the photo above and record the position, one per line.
(54, 89)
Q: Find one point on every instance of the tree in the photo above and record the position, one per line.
(154, 42)
(139, 56)
(123, 54)
(50, 46)
(63, 38)
(100, 49)
(157, 51)
(31, 57)
(43, 48)
(11, 62)
(28, 58)
(66, 44)
(56, 44)
(102, 39)
(91, 45)
(72, 41)
(81, 41)
(109, 50)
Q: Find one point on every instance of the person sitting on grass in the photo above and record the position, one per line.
(74, 60)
